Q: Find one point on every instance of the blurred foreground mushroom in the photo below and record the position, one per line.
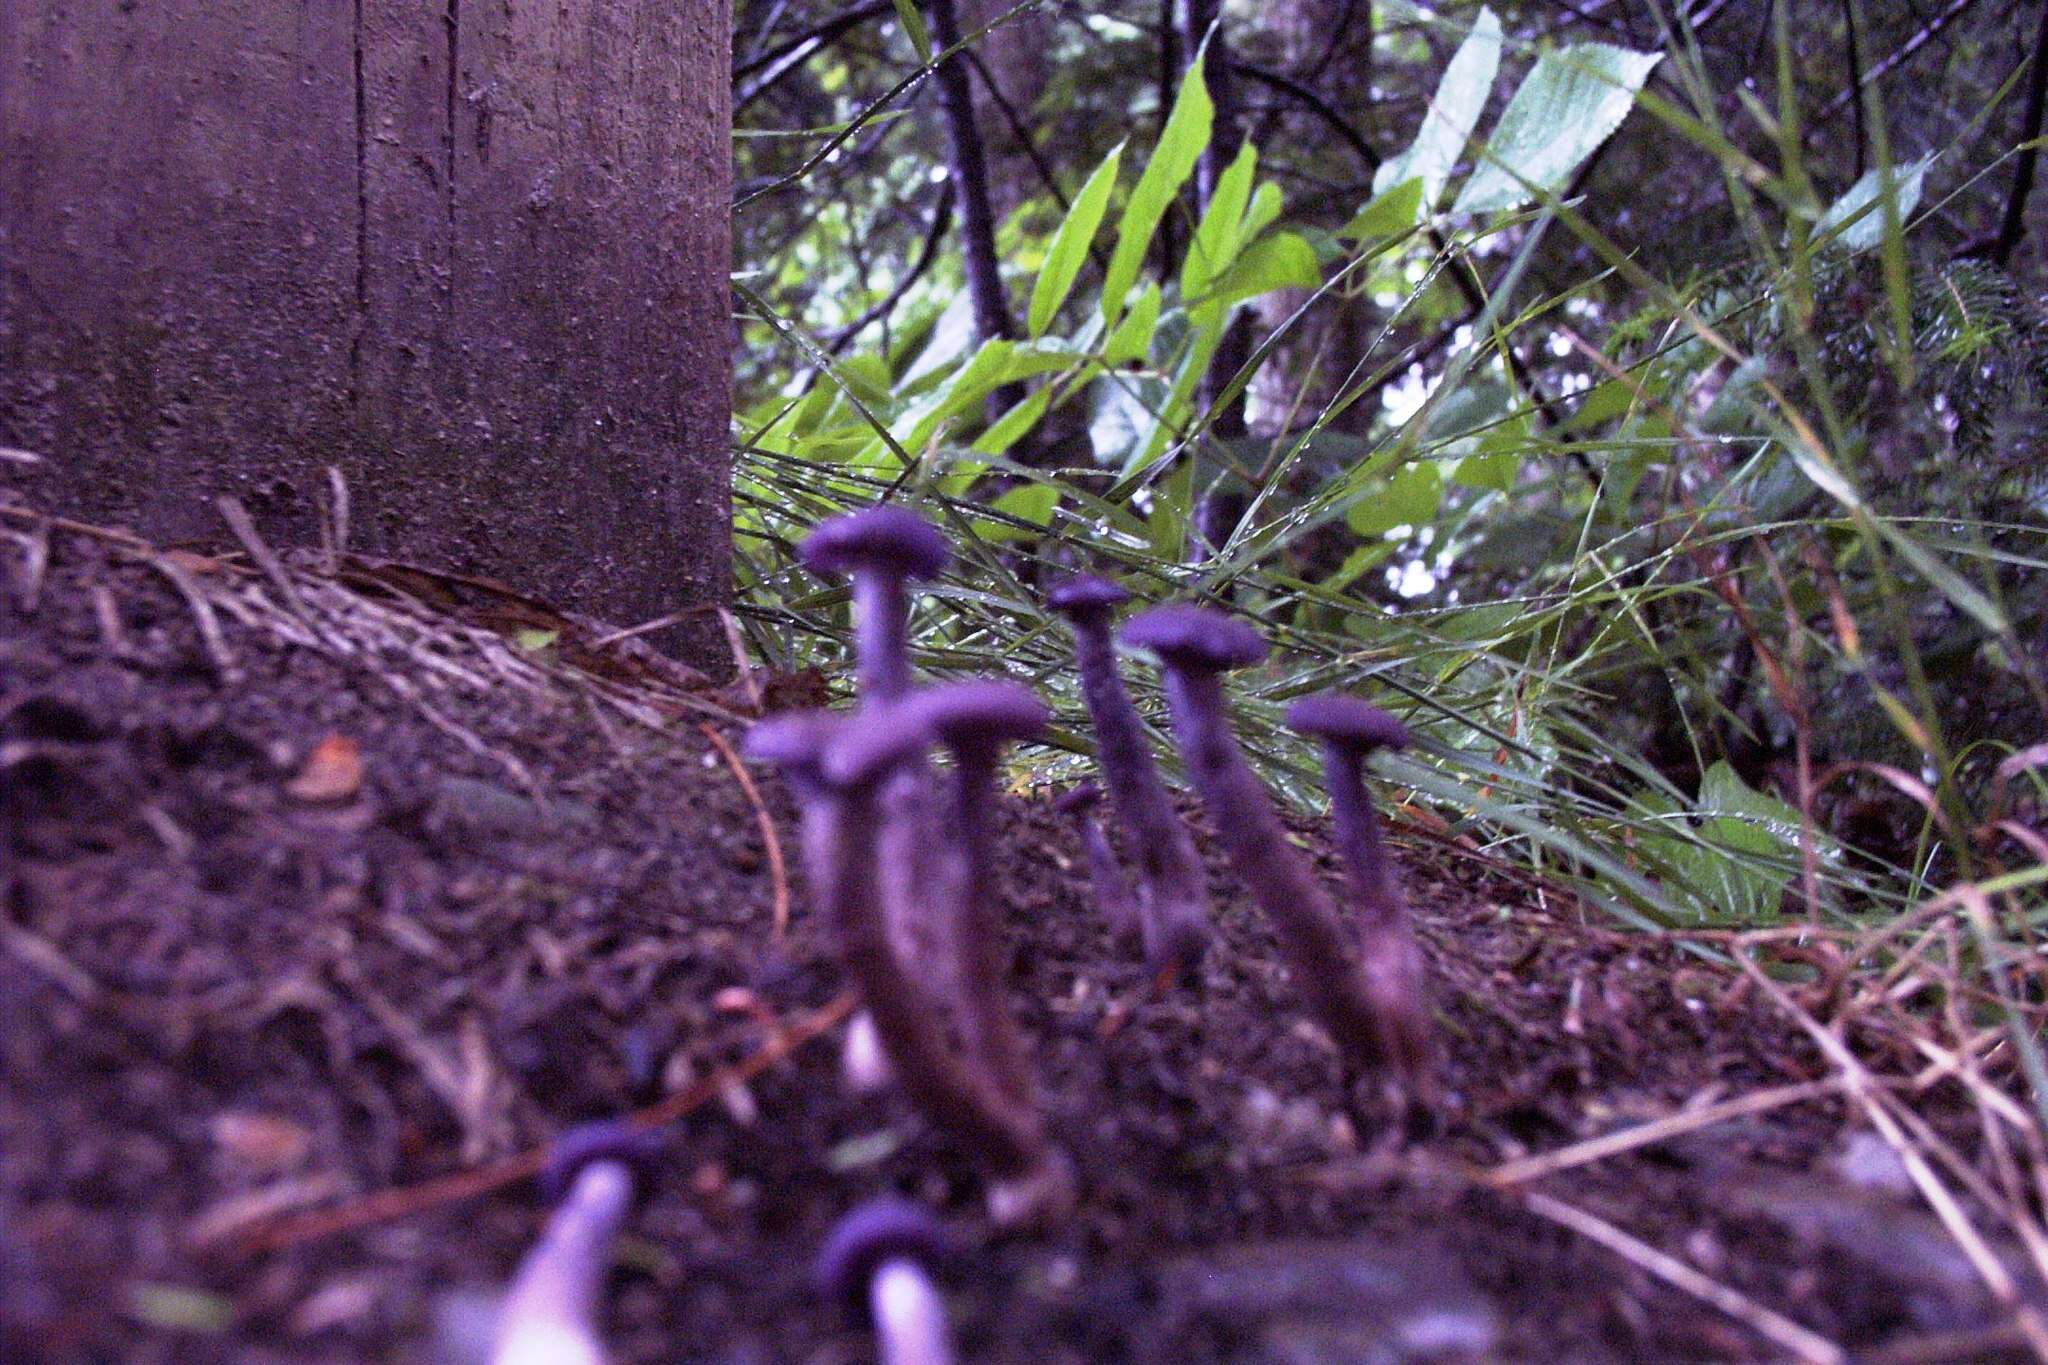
(549, 1316)
(975, 721)
(836, 768)
(878, 1264)
(1196, 646)
(882, 549)
(1173, 904)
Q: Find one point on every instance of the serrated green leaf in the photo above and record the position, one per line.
(1389, 214)
(1856, 220)
(1452, 115)
(1133, 336)
(1180, 145)
(1570, 103)
(1069, 249)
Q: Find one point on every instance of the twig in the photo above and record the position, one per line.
(2014, 225)
(1606, 1145)
(406, 1200)
(238, 520)
(778, 876)
(674, 618)
(1802, 1343)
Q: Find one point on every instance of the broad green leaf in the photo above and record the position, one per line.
(1411, 499)
(1008, 429)
(1063, 259)
(1389, 214)
(1217, 235)
(1856, 220)
(1180, 145)
(1283, 260)
(1133, 336)
(1033, 503)
(1267, 202)
(1566, 107)
(1452, 115)
(914, 29)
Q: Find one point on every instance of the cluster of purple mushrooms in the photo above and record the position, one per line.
(903, 870)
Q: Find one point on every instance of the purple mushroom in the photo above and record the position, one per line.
(975, 721)
(1349, 730)
(837, 768)
(1105, 877)
(880, 548)
(549, 1315)
(1196, 646)
(879, 1264)
(1173, 905)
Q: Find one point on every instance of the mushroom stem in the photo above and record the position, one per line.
(1113, 898)
(985, 1017)
(549, 1315)
(1172, 898)
(910, 1317)
(1357, 829)
(881, 623)
(1321, 953)
(1007, 1135)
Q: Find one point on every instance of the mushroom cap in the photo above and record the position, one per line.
(881, 1230)
(1347, 721)
(1078, 799)
(604, 1140)
(875, 741)
(1195, 638)
(795, 740)
(884, 537)
(981, 713)
(1086, 593)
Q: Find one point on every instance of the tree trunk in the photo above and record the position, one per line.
(473, 255)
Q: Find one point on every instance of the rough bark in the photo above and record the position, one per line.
(472, 255)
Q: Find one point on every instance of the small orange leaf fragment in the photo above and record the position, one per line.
(333, 771)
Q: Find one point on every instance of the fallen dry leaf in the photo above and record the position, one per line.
(333, 771)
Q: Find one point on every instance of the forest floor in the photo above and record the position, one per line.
(332, 890)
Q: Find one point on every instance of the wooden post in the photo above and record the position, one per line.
(472, 252)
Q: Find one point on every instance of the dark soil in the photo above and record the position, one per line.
(236, 983)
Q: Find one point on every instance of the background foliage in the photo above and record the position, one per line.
(1642, 398)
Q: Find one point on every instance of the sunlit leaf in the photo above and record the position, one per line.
(1216, 236)
(1280, 260)
(1133, 336)
(1069, 249)
(1452, 115)
(1389, 214)
(1565, 108)
(1173, 161)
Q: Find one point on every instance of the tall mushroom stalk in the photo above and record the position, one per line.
(1105, 878)
(882, 550)
(1173, 903)
(1349, 731)
(1196, 647)
(837, 769)
(975, 720)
